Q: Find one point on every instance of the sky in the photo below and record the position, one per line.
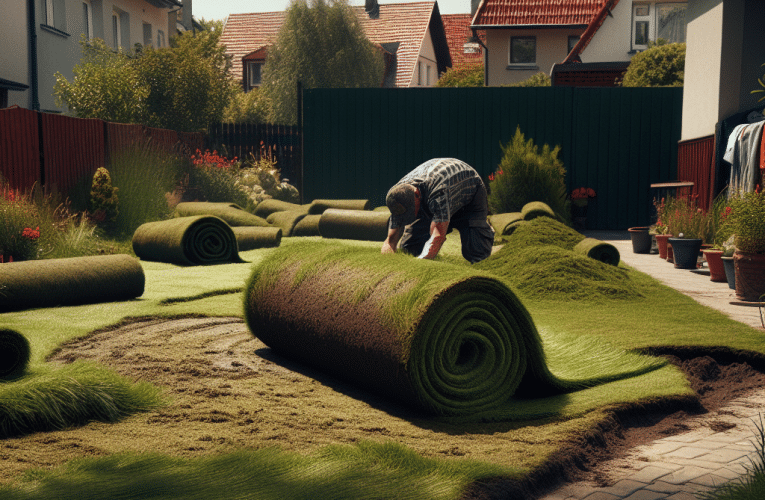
(220, 9)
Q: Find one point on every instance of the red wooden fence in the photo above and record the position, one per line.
(55, 151)
(695, 162)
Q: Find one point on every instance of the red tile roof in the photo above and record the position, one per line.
(537, 12)
(406, 23)
(457, 27)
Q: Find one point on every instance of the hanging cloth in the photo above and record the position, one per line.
(744, 157)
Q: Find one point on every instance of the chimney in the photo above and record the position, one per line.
(186, 20)
(372, 8)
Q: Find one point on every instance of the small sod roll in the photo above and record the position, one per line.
(286, 220)
(14, 354)
(271, 205)
(252, 237)
(598, 250)
(307, 226)
(535, 209)
(231, 213)
(72, 281)
(319, 206)
(368, 225)
(202, 239)
(505, 224)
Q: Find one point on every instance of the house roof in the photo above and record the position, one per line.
(516, 13)
(457, 28)
(402, 23)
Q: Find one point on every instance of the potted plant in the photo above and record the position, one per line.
(689, 225)
(641, 239)
(580, 199)
(746, 221)
(660, 230)
(715, 237)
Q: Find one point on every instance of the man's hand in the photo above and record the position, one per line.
(391, 242)
(437, 237)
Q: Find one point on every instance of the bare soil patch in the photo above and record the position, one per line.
(227, 390)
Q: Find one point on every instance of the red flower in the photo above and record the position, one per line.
(491, 177)
(30, 233)
(582, 192)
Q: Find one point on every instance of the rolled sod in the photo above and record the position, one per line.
(307, 226)
(598, 250)
(252, 237)
(319, 206)
(286, 220)
(14, 354)
(231, 213)
(506, 223)
(267, 207)
(442, 338)
(71, 281)
(366, 225)
(202, 239)
(535, 209)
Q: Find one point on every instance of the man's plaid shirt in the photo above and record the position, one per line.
(446, 185)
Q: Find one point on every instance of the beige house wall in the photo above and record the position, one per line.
(426, 60)
(612, 41)
(14, 49)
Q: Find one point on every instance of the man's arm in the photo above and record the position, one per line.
(437, 237)
(391, 242)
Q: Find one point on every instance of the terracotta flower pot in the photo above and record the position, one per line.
(715, 265)
(641, 240)
(750, 275)
(661, 243)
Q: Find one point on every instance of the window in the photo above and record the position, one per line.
(87, 20)
(523, 50)
(120, 29)
(254, 74)
(146, 34)
(572, 41)
(427, 75)
(55, 14)
(116, 31)
(419, 73)
(653, 21)
(160, 39)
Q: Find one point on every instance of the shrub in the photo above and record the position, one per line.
(538, 80)
(526, 175)
(19, 227)
(103, 198)
(662, 65)
(464, 76)
(215, 178)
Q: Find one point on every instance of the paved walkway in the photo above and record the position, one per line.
(682, 466)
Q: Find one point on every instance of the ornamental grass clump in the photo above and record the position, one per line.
(525, 174)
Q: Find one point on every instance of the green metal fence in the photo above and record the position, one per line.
(618, 141)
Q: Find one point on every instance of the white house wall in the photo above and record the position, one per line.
(14, 49)
(612, 42)
(426, 58)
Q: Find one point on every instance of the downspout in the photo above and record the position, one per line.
(478, 40)
(32, 28)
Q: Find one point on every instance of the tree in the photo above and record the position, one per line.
(661, 65)
(322, 46)
(184, 87)
(464, 76)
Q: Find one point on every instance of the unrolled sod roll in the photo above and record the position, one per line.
(366, 225)
(72, 281)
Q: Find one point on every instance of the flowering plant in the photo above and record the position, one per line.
(18, 241)
(684, 219)
(581, 196)
(208, 159)
(746, 221)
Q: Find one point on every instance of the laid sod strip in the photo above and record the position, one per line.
(14, 354)
(366, 225)
(286, 220)
(506, 223)
(233, 214)
(267, 207)
(71, 281)
(442, 338)
(202, 239)
(252, 237)
(307, 226)
(535, 209)
(598, 250)
(72, 395)
(365, 470)
(545, 231)
(319, 206)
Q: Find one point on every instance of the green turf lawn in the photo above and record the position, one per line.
(655, 316)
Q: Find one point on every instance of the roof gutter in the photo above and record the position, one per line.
(527, 26)
(478, 40)
(31, 27)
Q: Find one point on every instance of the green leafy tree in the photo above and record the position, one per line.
(661, 65)
(323, 46)
(183, 87)
(464, 76)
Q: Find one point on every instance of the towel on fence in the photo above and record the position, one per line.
(70, 281)
(231, 213)
(202, 239)
(366, 225)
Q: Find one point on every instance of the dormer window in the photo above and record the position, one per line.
(254, 74)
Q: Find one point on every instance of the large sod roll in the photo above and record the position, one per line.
(319, 206)
(231, 213)
(269, 206)
(202, 239)
(286, 220)
(14, 354)
(252, 237)
(505, 224)
(72, 281)
(439, 337)
(307, 226)
(354, 224)
(598, 250)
